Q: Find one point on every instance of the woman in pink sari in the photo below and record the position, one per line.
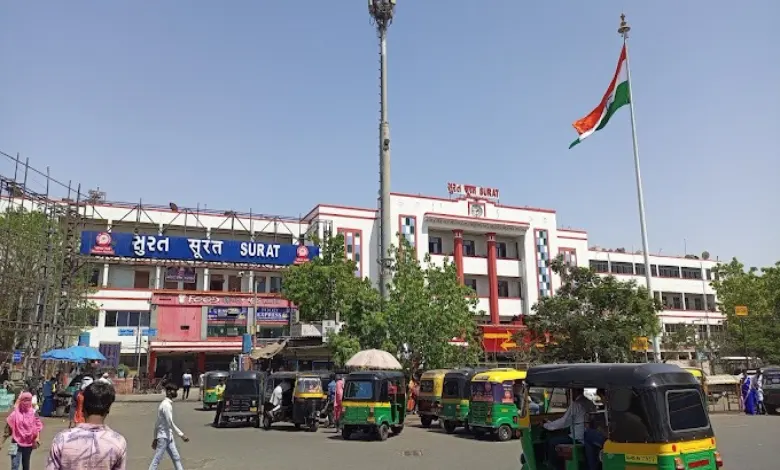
(337, 408)
(25, 428)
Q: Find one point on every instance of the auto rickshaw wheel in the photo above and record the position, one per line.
(383, 432)
(256, 421)
(504, 433)
(314, 425)
(449, 426)
(397, 429)
(426, 421)
(346, 432)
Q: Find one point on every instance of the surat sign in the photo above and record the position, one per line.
(131, 245)
(476, 192)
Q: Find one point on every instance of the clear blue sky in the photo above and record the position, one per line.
(273, 106)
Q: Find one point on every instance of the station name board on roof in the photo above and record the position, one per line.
(476, 192)
(137, 245)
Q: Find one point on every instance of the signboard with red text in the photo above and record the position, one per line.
(471, 191)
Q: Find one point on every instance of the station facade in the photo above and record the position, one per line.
(175, 286)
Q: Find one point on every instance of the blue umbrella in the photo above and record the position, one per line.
(60, 355)
(85, 353)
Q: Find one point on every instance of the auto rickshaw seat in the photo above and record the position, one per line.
(566, 451)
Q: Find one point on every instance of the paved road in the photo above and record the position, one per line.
(748, 443)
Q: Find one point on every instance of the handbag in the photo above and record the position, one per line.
(13, 449)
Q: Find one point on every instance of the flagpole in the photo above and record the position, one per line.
(623, 31)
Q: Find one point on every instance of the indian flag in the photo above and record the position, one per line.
(617, 95)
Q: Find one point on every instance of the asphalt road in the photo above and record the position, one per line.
(747, 443)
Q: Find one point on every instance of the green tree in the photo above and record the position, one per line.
(683, 337)
(759, 291)
(32, 251)
(427, 307)
(592, 318)
(326, 288)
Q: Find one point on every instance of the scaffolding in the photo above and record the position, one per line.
(43, 301)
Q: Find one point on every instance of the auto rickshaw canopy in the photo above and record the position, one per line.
(638, 376)
(212, 377)
(499, 375)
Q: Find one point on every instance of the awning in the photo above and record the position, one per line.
(269, 350)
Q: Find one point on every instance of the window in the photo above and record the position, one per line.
(640, 269)
(599, 266)
(501, 250)
(468, 248)
(261, 284)
(191, 285)
(434, 245)
(709, 274)
(223, 331)
(668, 271)
(276, 285)
(216, 282)
(677, 303)
(698, 303)
(622, 268)
(124, 319)
(627, 418)
(691, 273)
(426, 386)
(451, 388)
(686, 410)
(503, 289)
(471, 282)
(94, 277)
(234, 284)
(141, 280)
(359, 390)
(173, 285)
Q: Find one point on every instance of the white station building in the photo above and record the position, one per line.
(175, 284)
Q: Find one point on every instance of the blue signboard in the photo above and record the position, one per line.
(130, 245)
(17, 357)
(273, 314)
(126, 331)
(149, 332)
(227, 313)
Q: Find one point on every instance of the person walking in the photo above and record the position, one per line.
(90, 445)
(164, 429)
(25, 429)
(77, 404)
(186, 382)
(338, 407)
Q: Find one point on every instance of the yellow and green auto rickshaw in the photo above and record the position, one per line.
(374, 401)
(655, 417)
(455, 395)
(493, 407)
(210, 381)
(302, 400)
(429, 396)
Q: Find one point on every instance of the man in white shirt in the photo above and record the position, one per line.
(164, 429)
(276, 397)
(186, 382)
(575, 418)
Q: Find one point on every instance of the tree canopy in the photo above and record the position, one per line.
(759, 291)
(592, 317)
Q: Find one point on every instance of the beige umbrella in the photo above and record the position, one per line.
(374, 359)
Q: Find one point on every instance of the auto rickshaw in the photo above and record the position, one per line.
(455, 395)
(429, 397)
(243, 398)
(374, 401)
(771, 386)
(495, 396)
(302, 400)
(657, 418)
(210, 381)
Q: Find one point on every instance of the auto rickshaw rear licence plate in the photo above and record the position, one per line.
(253, 408)
(371, 419)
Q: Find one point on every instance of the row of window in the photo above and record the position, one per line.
(435, 247)
(503, 287)
(142, 279)
(638, 269)
(685, 301)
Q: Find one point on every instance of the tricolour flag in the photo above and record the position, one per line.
(617, 95)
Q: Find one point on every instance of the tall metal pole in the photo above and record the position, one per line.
(623, 31)
(382, 13)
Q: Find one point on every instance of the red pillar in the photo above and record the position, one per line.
(152, 366)
(458, 255)
(492, 278)
(201, 362)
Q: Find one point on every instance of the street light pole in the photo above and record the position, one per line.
(381, 12)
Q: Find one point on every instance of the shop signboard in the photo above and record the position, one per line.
(227, 313)
(183, 274)
(143, 246)
(273, 314)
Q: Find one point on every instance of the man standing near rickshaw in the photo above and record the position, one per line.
(575, 418)
(220, 391)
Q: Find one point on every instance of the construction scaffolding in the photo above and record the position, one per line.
(43, 291)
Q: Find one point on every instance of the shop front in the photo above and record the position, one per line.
(203, 331)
